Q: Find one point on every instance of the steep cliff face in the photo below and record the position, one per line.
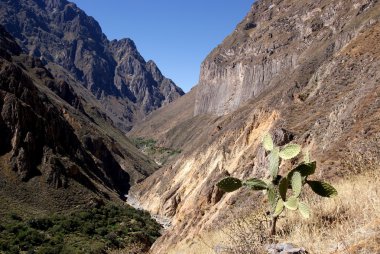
(50, 145)
(318, 88)
(273, 40)
(59, 32)
(139, 81)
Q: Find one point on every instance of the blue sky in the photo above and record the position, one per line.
(176, 34)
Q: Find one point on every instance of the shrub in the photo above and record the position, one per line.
(15, 217)
(41, 224)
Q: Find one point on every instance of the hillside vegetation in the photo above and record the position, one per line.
(92, 230)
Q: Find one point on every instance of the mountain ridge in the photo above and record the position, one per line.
(59, 32)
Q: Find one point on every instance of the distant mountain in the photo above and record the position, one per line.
(57, 150)
(63, 36)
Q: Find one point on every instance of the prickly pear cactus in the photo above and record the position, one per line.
(283, 192)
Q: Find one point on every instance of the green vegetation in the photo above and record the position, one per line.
(158, 153)
(88, 231)
(142, 143)
(283, 191)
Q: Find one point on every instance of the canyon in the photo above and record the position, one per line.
(304, 72)
(73, 104)
(68, 96)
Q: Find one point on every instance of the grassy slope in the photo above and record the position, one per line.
(346, 224)
(349, 223)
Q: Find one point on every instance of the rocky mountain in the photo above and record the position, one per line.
(307, 72)
(267, 45)
(57, 151)
(63, 36)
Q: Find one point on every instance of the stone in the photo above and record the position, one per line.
(285, 248)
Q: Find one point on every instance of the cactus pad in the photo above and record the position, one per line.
(296, 183)
(306, 169)
(279, 208)
(292, 203)
(290, 151)
(229, 184)
(274, 161)
(272, 196)
(323, 189)
(256, 184)
(304, 210)
(283, 187)
(268, 142)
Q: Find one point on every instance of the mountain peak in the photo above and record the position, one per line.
(54, 3)
(114, 71)
(124, 47)
(125, 41)
(153, 68)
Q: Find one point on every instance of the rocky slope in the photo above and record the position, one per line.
(306, 72)
(57, 151)
(274, 39)
(59, 33)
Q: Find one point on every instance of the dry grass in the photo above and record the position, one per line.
(246, 235)
(349, 223)
(346, 224)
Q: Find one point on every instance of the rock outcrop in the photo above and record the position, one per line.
(59, 33)
(306, 72)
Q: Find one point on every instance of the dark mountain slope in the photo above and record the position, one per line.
(59, 33)
(53, 155)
